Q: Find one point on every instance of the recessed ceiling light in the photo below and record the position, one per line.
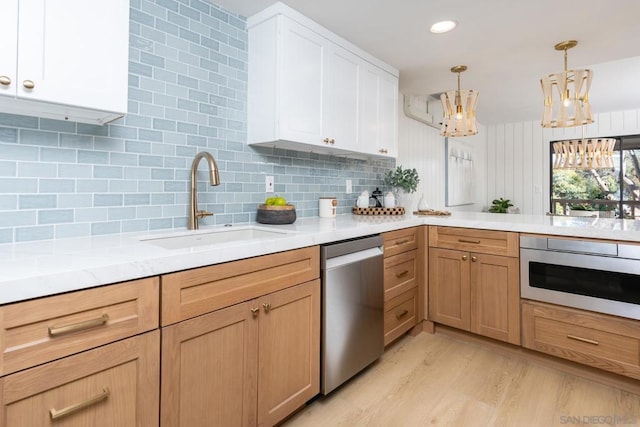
(443, 26)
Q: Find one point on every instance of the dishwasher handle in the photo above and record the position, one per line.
(339, 261)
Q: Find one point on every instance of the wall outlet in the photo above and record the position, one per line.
(269, 184)
(349, 188)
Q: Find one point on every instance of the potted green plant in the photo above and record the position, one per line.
(404, 182)
(500, 205)
(405, 179)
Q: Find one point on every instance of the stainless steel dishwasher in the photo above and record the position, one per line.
(352, 308)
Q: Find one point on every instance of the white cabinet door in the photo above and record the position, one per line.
(8, 43)
(342, 98)
(301, 83)
(388, 114)
(379, 112)
(75, 52)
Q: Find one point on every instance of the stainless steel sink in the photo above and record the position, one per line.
(216, 237)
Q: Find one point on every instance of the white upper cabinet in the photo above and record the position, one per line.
(342, 99)
(307, 89)
(301, 82)
(65, 59)
(379, 112)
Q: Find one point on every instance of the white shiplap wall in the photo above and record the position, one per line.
(421, 147)
(518, 163)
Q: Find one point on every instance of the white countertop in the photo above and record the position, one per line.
(36, 269)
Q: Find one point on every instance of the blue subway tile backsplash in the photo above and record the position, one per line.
(188, 65)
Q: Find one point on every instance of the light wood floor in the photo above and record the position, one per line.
(439, 380)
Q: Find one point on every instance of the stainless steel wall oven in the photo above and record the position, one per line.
(597, 276)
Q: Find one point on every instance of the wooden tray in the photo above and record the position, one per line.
(378, 211)
(432, 212)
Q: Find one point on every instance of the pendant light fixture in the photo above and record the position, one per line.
(459, 108)
(568, 105)
(594, 153)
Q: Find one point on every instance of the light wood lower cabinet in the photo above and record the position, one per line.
(477, 291)
(113, 385)
(253, 363)
(402, 281)
(606, 342)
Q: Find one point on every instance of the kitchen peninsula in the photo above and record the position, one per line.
(37, 269)
(259, 292)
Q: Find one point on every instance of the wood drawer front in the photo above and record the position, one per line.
(399, 241)
(121, 378)
(600, 341)
(399, 274)
(33, 332)
(191, 293)
(481, 241)
(400, 315)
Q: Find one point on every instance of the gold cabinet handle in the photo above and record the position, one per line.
(402, 314)
(56, 414)
(80, 326)
(326, 140)
(464, 257)
(267, 307)
(5, 80)
(332, 141)
(475, 242)
(474, 258)
(383, 150)
(402, 242)
(402, 274)
(28, 84)
(255, 311)
(587, 340)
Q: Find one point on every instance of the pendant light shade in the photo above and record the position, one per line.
(566, 95)
(459, 108)
(584, 154)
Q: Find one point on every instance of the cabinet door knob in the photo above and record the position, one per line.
(474, 258)
(464, 257)
(383, 151)
(5, 81)
(332, 141)
(255, 311)
(267, 307)
(326, 140)
(29, 84)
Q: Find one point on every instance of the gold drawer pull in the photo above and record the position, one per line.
(55, 414)
(474, 258)
(75, 327)
(255, 311)
(5, 81)
(28, 84)
(402, 314)
(402, 242)
(402, 273)
(587, 340)
(267, 307)
(464, 257)
(475, 242)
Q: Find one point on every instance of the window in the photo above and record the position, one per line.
(611, 192)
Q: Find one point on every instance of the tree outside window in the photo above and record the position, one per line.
(612, 192)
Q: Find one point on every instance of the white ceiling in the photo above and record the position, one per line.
(507, 45)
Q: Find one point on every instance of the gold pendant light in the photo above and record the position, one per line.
(570, 105)
(459, 108)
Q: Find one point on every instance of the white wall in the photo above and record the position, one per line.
(421, 147)
(518, 163)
